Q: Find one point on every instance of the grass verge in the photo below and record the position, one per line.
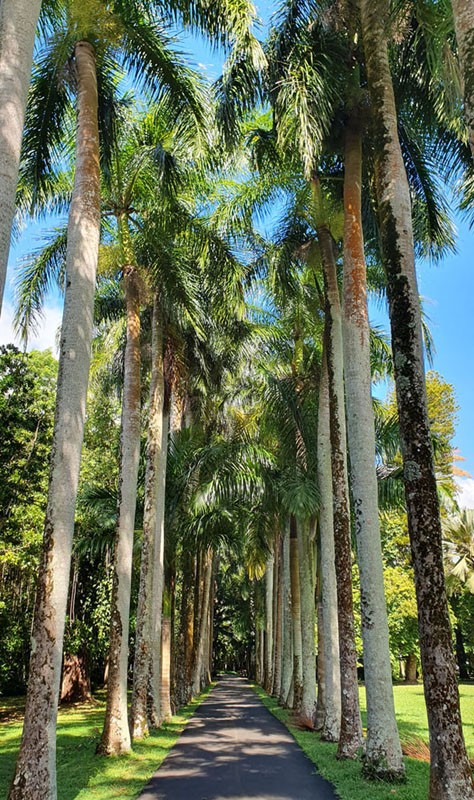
(346, 775)
(81, 774)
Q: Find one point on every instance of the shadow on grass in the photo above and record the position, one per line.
(81, 773)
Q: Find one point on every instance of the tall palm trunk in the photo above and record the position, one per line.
(18, 21)
(306, 565)
(450, 776)
(320, 679)
(296, 616)
(116, 734)
(157, 713)
(383, 755)
(351, 727)
(331, 728)
(287, 650)
(35, 774)
(204, 623)
(184, 660)
(278, 618)
(464, 25)
(165, 684)
(146, 609)
(269, 623)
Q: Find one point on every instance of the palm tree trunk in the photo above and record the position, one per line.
(165, 685)
(18, 21)
(157, 714)
(383, 755)
(320, 678)
(116, 734)
(464, 25)
(278, 618)
(331, 728)
(296, 616)
(450, 775)
(306, 562)
(146, 611)
(215, 570)
(184, 658)
(287, 652)
(350, 739)
(269, 623)
(203, 627)
(35, 774)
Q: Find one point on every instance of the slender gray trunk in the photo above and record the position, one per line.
(35, 775)
(332, 675)
(116, 734)
(383, 754)
(158, 581)
(320, 679)
(278, 617)
(204, 624)
(450, 774)
(287, 635)
(307, 587)
(269, 623)
(146, 607)
(18, 21)
(165, 670)
(350, 739)
(296, 616)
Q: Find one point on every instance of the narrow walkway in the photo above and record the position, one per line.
(234, 748)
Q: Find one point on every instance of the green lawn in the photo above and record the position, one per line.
(81, 774)
(84, 776)
(346, 775)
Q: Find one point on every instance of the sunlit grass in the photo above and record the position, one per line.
(346, 775)
(81, 774)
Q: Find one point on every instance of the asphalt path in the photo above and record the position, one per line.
(234, 749)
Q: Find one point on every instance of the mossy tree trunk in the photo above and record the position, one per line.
(146, 611)
(350, 739)
(296, 616)
(450, 774)
(307, 587)
(331, 727)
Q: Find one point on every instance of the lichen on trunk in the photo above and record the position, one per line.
(450, 774)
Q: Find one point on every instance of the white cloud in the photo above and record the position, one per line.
(44, 337)
(465, 496)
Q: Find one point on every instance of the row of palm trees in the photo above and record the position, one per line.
(356, 109)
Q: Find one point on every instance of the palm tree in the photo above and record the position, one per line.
(142, 43)
(458, 538)
(383, 750)
(450, 771)
(39, 730)
(331, 727)
(18, 21)
(464, 25)
(351, 727)
(116, 734)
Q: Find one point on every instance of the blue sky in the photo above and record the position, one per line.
(447, 288)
